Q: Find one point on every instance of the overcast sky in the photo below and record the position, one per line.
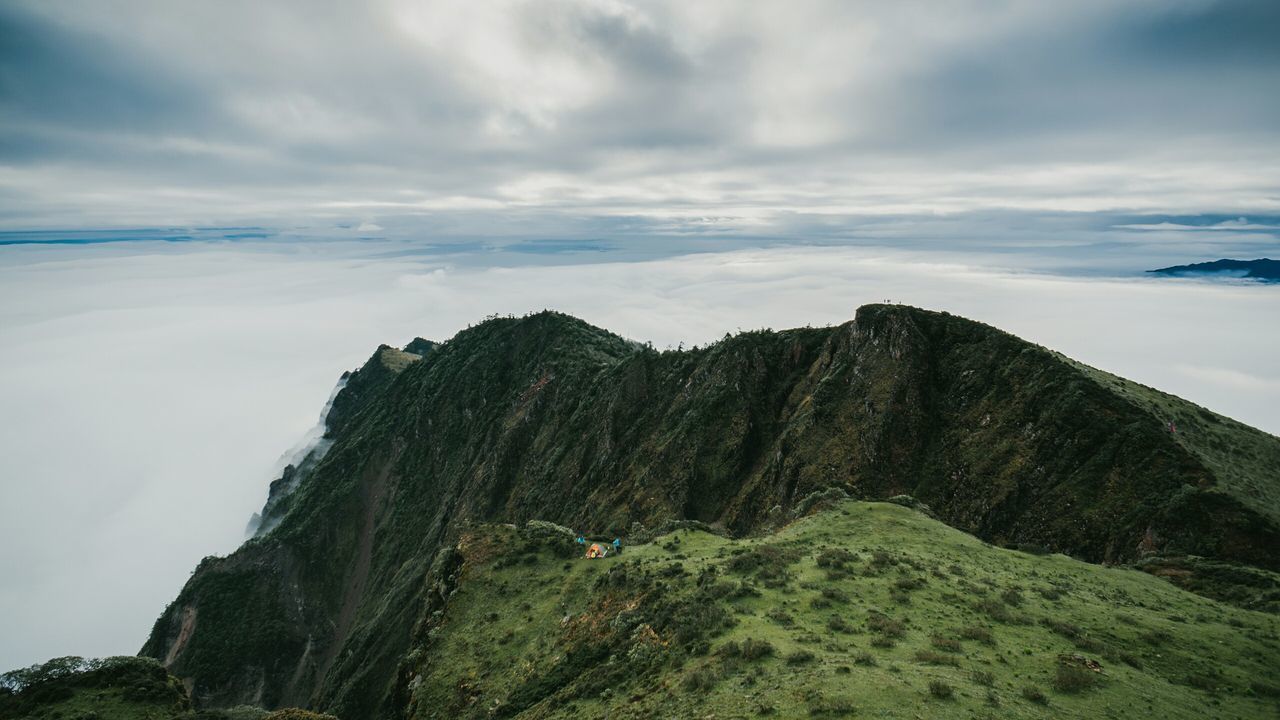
(209, 210)
(710, 114)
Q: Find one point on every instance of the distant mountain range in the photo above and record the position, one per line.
(1263, 269)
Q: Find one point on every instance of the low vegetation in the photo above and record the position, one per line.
(649, 635)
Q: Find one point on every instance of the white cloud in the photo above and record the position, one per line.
(1237, 225)
(149, 389)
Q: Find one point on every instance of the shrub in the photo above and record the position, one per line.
(838, 624)
(1206, 681)
(980, 634)
(1035, 695)
(883, 641)
(1156, 637)
(748, 649)
(780, 616)
(907, 584)
(994, 610)
(984, 678)
(945, 643)
(297, 714)
(835, 558)
(800, 657)
(864, 658)
(885, 625)
(767, 562)
(831, 707)
(932, 658)
(1012, 596)
(834, 595)
(1074, 679)
(700, 680)
(940, 690)
(753, 649)
(1049, 593)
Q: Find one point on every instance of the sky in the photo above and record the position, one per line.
(208, 211)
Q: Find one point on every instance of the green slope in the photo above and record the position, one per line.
(865, 609)
(1245, 461)
(548, 417)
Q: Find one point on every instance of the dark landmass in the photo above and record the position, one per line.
(1262, 269)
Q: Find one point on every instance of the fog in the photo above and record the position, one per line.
(150, 390)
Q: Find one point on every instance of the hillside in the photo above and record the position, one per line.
(1262, 269)
(864, 609)
(547, 417)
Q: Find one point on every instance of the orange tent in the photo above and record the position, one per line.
(595, 551)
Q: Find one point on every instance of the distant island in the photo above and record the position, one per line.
(1262, 269)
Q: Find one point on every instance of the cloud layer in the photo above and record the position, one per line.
(153, 386)
(138, 113)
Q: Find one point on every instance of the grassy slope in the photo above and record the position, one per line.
(1245, 460)
(100, 704)
(528, 624)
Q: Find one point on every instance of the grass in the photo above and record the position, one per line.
(1242, 458)
(598, 647)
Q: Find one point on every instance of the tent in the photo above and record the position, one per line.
(596, 550)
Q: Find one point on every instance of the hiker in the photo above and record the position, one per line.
(617, 546)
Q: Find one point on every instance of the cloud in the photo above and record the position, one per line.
(153, 386)
(1238, 225)
(242, 113)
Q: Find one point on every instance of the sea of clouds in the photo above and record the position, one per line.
(150, 388)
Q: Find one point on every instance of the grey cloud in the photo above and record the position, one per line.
(142, 112)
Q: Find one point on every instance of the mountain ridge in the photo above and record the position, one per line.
(547, 417)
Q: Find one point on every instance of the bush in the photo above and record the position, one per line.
(885, 626)
(940, 690)
(1012, 596)
(780, 616)
(980, 634)
(800, 657)
(1156, 637)
(752, 649)
(297, 714)
(838, 624)
(932, 658)
(994, 610)
(864, 658)
(984, 678)
(907, 584)
(946, 644)
(1035, 695)
(700, 680)
(767, 562)
(836, 558)
(831, 707)
(834, 595)
(1206, 681)
(1074, 679)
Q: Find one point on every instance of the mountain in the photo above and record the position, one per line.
(860, 610)
(1263, 269)
(548, 418)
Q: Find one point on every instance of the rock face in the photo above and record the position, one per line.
(546, 417)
